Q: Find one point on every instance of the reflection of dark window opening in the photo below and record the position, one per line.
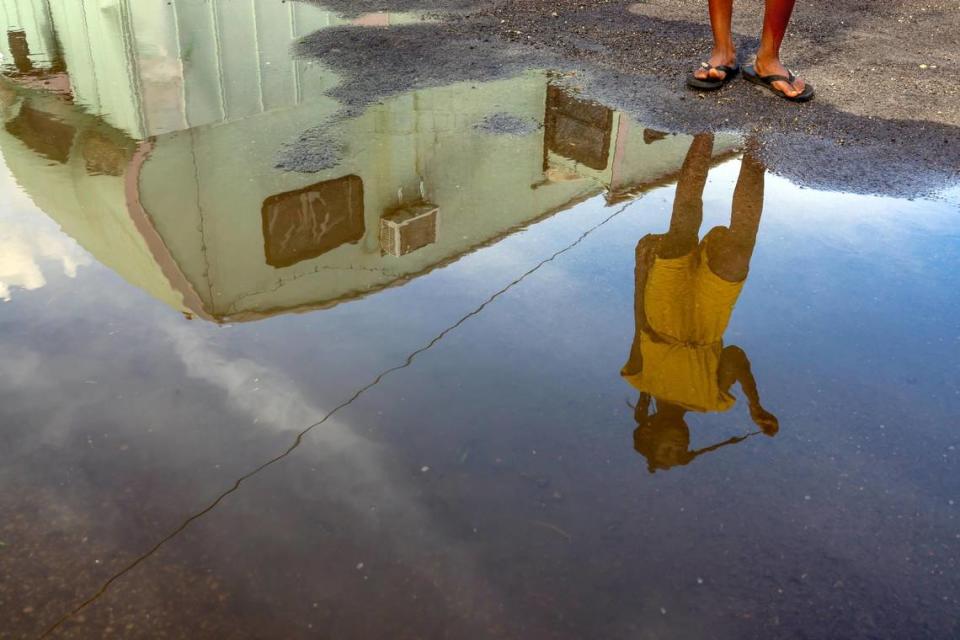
(307, 223)
(23, 61)
(43, 133)
(20, 49)
(577, 129)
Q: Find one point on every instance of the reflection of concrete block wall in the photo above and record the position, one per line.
(208, 218)
(481, 182)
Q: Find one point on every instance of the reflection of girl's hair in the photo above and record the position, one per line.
(663, 438)
(663, 441)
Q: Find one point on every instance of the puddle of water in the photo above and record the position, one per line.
(508, 364)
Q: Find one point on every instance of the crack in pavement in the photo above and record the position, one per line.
(300, 436)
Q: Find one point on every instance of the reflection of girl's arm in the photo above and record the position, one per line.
(645, 252)
(700, 452)
(735, 367)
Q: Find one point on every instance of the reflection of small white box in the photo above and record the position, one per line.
(409, 228)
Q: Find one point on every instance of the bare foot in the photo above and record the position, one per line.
(774, 67)
(717, 59)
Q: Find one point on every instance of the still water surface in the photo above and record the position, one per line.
(505, 363)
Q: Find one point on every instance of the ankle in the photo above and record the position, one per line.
(727, 53)
(768, 60)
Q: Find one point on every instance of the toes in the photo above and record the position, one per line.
(787, 89)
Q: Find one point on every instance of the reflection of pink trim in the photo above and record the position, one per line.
(620, 150)
(58, 83)
(141, 220)
(379, 19)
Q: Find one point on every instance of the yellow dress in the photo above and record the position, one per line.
(688, 308)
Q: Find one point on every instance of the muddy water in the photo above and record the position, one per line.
(504, 363)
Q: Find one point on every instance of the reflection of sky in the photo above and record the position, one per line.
(192, 406)
(28, 242)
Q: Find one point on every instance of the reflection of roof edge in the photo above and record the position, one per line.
(628, 193)
(155, 244)
(250, 316)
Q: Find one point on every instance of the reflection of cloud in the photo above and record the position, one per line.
(25, 244)
(357, 471)
(20, 368)
(273, 401)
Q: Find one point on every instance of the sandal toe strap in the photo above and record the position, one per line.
(777, 78)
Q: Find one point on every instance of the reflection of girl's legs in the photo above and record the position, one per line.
(684, 233)
(681, 239)
(730, 248)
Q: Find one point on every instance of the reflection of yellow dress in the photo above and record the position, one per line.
(688, 308)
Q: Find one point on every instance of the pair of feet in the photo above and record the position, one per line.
(764, 68)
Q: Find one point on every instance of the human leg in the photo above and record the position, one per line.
(776, 17)
(724, 52)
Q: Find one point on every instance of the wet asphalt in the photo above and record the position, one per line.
(895, 131)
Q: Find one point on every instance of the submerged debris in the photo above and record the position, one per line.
(505, 124)
(315, 150)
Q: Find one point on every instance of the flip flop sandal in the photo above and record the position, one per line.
(767, 82)
(712, 84)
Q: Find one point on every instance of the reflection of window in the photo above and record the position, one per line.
(304, 224)
(577, 129)
(43, 133)
(409, 228)
(20, 51)
(23, 60)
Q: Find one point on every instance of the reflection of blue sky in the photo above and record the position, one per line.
(847, 318)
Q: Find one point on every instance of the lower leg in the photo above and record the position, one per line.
(724, 51)
(776, 17)
(721, 19)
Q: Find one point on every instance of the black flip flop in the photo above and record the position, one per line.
(712, 84)
(750, 73)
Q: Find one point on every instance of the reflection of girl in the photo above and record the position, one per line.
(685, 293)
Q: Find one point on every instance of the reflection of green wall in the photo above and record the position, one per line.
(482, 184)
(203, 190)
(214, 84)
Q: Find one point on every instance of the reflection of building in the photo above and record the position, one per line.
(160, 158)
